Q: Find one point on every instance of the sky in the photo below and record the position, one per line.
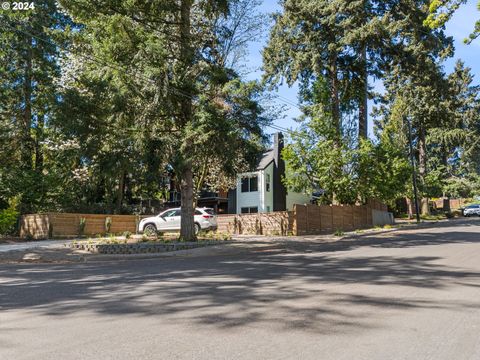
(459, 28)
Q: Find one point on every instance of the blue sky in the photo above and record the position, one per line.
(459, 27)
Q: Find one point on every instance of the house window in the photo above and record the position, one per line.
(267, 182)
(245, 184)
(250, 184)
(249, 210)
(254, 183)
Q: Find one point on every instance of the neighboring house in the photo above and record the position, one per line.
(262, 190)
(215, 200)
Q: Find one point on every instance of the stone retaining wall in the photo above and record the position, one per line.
(142, 248)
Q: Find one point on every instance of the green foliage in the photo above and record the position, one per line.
(108, 224)
(81, 226)
(314, 162)
(110, 114)
(442, 10)
(330, 48)
(339, 232)
(9, 218)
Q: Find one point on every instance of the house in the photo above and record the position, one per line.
(215, 200)
(262, 190)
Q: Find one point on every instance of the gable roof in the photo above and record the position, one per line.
(265, 160)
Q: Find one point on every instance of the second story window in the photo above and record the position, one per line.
(250, 184)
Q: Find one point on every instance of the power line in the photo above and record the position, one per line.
(95, 59)
(102, 62)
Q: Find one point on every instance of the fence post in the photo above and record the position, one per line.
(306, 219)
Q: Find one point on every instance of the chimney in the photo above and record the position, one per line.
(277, 147)
(279, 190)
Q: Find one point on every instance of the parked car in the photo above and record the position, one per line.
(169, 220)
(471, 210)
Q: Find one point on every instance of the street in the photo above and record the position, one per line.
(407, 294)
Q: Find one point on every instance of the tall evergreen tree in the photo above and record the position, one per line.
(29, 68)
(166, 52)
(337, 44)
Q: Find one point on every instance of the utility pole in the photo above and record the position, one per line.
(414, 170)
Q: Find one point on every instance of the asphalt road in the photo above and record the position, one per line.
(412, 294)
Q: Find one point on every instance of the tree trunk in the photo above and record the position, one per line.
(335, 110)
(187, 230)
(422, 168)
(27, 146)
(38, 142)
(120, 193)
(363, 101)
(410, 207)
(334, 98)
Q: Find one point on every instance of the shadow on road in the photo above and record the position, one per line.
(284, 287)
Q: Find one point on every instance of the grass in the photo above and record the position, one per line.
(433, 217)
(339, 232)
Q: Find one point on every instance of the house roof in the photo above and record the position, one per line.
(266, 159)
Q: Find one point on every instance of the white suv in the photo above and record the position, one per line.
(471, 210)
(169, 220)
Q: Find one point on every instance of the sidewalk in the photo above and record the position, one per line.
(52, 244)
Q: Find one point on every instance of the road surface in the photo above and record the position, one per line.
(410, 294)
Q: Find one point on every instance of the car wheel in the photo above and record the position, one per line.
(150, 229)
(197, 229)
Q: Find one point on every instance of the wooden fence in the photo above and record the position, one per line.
(273, 223)
(307, 219)
(51, 225)
(303, 220)
(454, 203)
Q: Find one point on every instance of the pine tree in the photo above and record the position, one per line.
(29, 67)
(167, 53)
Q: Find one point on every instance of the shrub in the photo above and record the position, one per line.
(127, 234)
(226, 236)
(339, 232)
(81, 226)
(8, 220)
(108, 224)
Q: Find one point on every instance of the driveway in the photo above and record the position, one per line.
(410, 294)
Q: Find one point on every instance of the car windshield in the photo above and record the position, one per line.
(209, 211)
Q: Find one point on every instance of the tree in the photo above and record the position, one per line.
(166, 52)
(331, 47)
(29, 95)
(442, 10)
(453, 144)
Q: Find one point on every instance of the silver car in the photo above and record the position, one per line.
(169, 220)
(471, 210)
